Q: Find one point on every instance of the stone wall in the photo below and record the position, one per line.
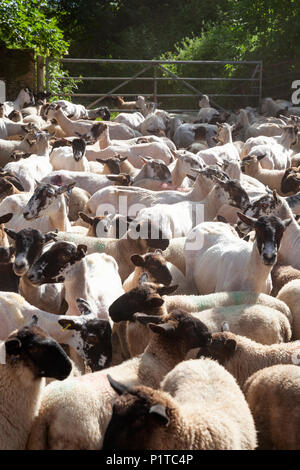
(17, 69)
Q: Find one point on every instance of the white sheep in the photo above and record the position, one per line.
(93, 278)
(229, 262)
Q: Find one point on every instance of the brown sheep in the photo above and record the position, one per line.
(273, 395)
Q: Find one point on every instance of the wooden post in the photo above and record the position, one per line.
(40, 73)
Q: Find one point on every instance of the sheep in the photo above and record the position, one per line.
(156, 150)
(90, 182)
(47, 204)
(197, 303)
(86, 402)
(283, 181)
(70, 158)
(199, 407)
(258, 322)
(269, 107)
(132, 120)
(224, 192)
(15, 116)
(217, 154)
(88, 277)
(281, 275)
(106, 226)
(25, 96)
(175, 253)
(30, 355)
(242, 356)
(152, 175)
(289, 294)
(87, 128)
(272, 395)
(276, 155)
(136, 240)
(78, 200)
(184, 164)
(7, 186)
(286, 140)
(28, 145)
(29, 244)
(31, 169)
(229, 262)
(87, 335)
(155, 122)
(159, 271)
(185, 133)
(139, 103)
(278, 206)
(72, 111)
(133, 336)
(254, 130)
(166, 217)
(207, 113)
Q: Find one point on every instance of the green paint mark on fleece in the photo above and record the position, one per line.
(203, 302)
(100, 246)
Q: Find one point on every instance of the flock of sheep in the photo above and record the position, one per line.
(150, 284)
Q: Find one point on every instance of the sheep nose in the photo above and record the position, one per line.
(25, 214)
(269, 258)
(19, 264)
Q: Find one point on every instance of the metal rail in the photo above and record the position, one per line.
(159, 66)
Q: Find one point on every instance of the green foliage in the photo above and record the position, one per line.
(27, 24)
(61, 89)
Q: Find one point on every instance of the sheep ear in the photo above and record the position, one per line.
(230, 345)
(286, 222)
(154, 302)
(5, 218)
(138, 260)
(81, 252)
(161, 329)
(260, 157)
(113, 177)
(69, 324)
(158, 411)
(86, 218)
(143, 278)
(117, 386)
(83, 306)
(167, 290)
(33, 321)
(225, 326)
(101, 160)
(11, 233)
(220, 218)
(193, 178)
(247, 220)
(145, 319)
(66, 188)
(275, 195)
(13, 346)
(50, 236)
(122, 159)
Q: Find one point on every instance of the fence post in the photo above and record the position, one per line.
(260, 84)
(47, 74)
(155, 84)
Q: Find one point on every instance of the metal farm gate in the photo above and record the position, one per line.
(150, 78)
